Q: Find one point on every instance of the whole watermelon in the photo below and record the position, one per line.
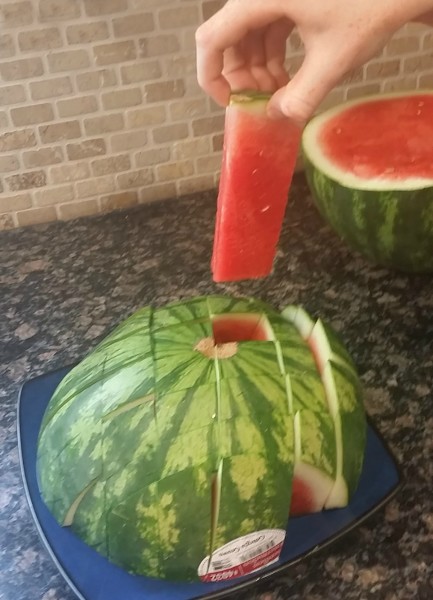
(197, 424)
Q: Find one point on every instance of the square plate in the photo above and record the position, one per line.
(92, 577)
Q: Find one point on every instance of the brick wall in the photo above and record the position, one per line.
(99, 106)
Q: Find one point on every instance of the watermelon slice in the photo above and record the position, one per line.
(259, 158)
(369, 165)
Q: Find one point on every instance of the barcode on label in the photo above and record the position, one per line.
(258, 550)
(219, 565)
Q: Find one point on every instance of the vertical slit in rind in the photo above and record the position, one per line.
(69, 518)
(297, 434)
(289, 394)
(215, 508)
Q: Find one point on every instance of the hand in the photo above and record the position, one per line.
(244, 46)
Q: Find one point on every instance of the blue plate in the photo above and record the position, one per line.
(92, 577)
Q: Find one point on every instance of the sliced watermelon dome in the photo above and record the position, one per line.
(369, 164)
(198, 424)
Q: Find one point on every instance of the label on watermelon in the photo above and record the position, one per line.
(242, 556)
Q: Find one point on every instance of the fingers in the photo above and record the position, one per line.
(223, 31)
(254, 51)
(299, 99)
(275, 40)
(210, 64)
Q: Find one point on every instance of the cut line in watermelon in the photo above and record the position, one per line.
(259, 157)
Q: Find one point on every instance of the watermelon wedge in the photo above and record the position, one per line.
(259, 158)
(369, 165)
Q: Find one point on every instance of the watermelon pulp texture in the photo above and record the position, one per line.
(259, 158)
(369, 165)
(197, 423)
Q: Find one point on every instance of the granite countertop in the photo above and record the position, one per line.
(65, 285)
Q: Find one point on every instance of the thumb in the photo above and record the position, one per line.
(299, 99)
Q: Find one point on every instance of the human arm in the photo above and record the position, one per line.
(243, 46)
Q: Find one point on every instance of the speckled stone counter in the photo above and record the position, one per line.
(64, 286)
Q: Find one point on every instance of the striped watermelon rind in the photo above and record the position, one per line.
(388, 221)
(156, 449)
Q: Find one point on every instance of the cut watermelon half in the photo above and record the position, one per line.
(369, 165)
(259, 158)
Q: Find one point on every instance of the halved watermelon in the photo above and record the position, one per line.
(200, 426)
(259, 158)
(369, 164)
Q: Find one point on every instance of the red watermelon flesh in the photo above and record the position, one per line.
(259, 158)
(401, 147)
(310, 490)
(238, 328)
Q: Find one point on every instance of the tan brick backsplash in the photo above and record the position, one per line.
(79, 208)
(77, 106)
(12, 94)
(133, 24)
(191, 148)
(34, 216)
(159, 191)
(50, 88)
(144, 117)
(15, 202)
(141, 71)
(210, 7)
(26, 181)
(16, 140)
(119, 200)
(39, 39)
(24, 68)
(86, 148)
(129, 140)
(69, 172)
(174, 170)
(159, 45)
(96, 186)
(104, 124)
(135, 179)
(38, 113)
(59, 10)
(68, 60)
(17, 14)
(7, 46)
(95, 80)
(116, 52)
(7, 221)
(166, 90)
(42, 157)
(156, 156)
(4, 120)
(66, 130)
(111, 164)
(104, 7)
(86, 33)
(101, 110)
(122, 98)
(170, 133)
(9, 162)
(54, 195)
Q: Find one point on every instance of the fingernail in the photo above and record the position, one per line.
(274, 112)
